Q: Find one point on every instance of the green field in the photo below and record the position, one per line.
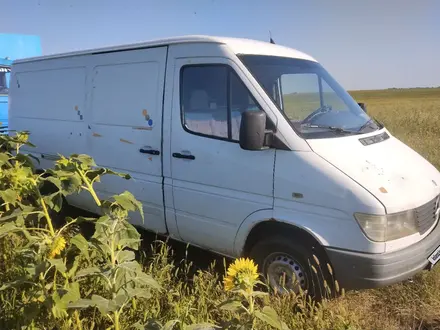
(192, 290)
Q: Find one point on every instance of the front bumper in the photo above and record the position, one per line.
(355, 270)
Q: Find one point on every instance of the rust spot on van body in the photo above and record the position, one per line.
(97, 135)
(125, 141)
(76, 108)
(383, 190)
(297, 195)
(142, 128)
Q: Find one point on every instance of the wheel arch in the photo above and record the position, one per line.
(265, 223)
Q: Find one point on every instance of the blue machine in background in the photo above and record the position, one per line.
(5, 69)
(13, 47)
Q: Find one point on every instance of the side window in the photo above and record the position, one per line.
(212, 101)
(204, 100)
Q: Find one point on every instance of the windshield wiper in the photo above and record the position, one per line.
(332, 128)
(371, 120)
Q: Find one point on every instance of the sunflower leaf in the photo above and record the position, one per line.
(270, 316)
(231, 305)
(259, 294)
(59, 264)
(200, 326)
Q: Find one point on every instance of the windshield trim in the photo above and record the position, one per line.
(330, 133)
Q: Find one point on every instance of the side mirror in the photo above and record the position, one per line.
(363, 106)
(253, 131)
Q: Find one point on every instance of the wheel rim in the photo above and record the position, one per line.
(282, 268)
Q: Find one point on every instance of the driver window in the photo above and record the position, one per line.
(300, 95)
(213, 100)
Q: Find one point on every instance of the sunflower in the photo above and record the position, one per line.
(242, 274)
(58, 245)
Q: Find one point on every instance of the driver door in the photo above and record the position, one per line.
(216, 185)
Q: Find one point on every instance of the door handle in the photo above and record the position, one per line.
(149, 151)
(179, 155)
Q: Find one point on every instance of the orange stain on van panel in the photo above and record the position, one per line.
(125, 141)
(97, 135)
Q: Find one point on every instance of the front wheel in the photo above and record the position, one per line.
(291, 265)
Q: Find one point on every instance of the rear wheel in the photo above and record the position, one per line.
(292, 265)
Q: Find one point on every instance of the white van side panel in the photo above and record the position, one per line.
(313, 195)
(310, 193)
(59, 105)
(50, 107)
(106, 105)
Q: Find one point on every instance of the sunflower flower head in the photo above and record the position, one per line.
(242, 274)
(58, 245)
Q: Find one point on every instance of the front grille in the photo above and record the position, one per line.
(425, 215)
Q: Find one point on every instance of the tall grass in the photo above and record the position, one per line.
(193, 295)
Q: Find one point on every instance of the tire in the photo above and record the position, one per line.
(278, 255)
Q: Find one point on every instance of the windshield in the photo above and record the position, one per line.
(315, 104)
(4, 75)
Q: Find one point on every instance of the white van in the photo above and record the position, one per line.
(240, 147)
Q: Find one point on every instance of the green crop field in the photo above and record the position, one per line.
(54, 276)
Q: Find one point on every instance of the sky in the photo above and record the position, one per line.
(363, 44)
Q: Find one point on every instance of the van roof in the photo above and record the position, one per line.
(237, 45)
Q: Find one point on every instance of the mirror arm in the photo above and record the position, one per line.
(271, 141)
(268, 137)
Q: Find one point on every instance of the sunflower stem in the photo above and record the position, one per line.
(251, 308)
(46, 213)
(89, 187)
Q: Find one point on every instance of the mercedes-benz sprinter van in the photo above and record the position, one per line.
(241, 147)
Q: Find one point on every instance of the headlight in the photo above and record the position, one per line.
(382, 228)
